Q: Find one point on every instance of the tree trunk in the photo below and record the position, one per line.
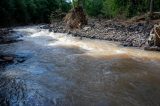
(73, 3)
(149, 17)
(151, 7)
(80, 3)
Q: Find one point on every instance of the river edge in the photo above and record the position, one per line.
(125, 36)
(128, 34)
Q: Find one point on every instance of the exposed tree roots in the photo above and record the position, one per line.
(154, 39)
(76, 18)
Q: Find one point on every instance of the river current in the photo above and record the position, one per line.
(61, 70)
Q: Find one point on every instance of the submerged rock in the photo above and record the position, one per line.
(153, 48)
(8, 58)
(4, 31)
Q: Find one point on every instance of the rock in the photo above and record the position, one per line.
(127, 44)
(110, 29)
(87, 28)
(8, 58)
(1, 60)
(153, 48)
(4, 31)
(44, 27)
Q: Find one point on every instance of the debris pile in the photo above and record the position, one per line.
(154, 39)
(76, 18)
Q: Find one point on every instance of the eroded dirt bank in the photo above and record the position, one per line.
(129, 34)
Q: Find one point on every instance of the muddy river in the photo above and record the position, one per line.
(52, 69)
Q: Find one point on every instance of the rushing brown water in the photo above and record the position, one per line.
(61, 70)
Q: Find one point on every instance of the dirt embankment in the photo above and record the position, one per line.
(129, 34)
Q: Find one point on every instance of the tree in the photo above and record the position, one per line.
(151, 6)
(93, 7)
(32, 11)
(6, 12)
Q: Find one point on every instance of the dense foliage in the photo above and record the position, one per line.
(128, 8)
(116, 8)
(29, 11)
(34, 11)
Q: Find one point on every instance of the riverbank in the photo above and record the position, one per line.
(130, 34)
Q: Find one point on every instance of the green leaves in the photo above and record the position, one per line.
(29, 11)
(127, 8)
(93, 7)
(33, 11)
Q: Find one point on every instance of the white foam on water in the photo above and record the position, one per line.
(46, 38)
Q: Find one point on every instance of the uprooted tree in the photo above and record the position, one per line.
(76, 17)
(154, 38)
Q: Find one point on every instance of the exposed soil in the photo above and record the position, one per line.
(133, 34)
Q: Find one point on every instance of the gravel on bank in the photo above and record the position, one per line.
(129, 34)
